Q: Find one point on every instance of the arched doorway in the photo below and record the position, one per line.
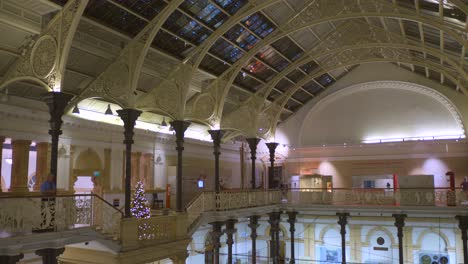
(86, 172)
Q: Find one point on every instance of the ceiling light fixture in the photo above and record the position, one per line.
(76, 110)
(163, 123)
(108, 110)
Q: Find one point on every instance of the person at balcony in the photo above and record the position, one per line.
(464, 184)
(49, 184)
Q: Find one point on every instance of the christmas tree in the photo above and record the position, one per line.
(139, 208)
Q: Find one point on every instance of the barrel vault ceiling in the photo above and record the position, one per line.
(240, 65)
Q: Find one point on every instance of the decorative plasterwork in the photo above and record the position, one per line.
(45, 58)
(440, 98)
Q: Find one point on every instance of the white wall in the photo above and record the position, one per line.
(340, 125)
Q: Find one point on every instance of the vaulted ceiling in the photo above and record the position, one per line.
(241, 65)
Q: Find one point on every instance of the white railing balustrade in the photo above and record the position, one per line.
(42, 213)
(231, 200)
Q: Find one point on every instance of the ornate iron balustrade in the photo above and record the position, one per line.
(230, 200)
(20, 215)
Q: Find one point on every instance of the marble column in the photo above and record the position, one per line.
(343, 221)
(216, 234)
(2, 139)
(230, 231)
(463, 225)
(274, 221)
(292, 229)
(253, 142)
(19, 167)
(42, 151)
(400, 223)
(49, 255)
(216, 135)
(4, 259)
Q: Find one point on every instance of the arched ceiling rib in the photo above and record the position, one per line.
(258, 45)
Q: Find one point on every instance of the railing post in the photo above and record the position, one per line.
(343, 221)
(400, 223)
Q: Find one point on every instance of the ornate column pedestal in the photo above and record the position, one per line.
(216, 135)
(272, 147)
(179, 128)
(129, 117)
(216, 234)
(400, 223)
(253, 142)
(56, 101)
(49, 255)
(275, 218)
(292, 229)
(230, 230)
(463, 225)
(343, 221)
(253, 224)
(19, 167)
(4, 259)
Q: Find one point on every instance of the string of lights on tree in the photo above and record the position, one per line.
(139, 208)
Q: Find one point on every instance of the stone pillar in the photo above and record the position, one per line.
(129, 117)
(292, 229)
(136, 157)
(19, 167)
(2, 139)
(343, 221)
(400, 223)
(272, 147)
(253, 142)
(56, 101)
(230, 230)
(4, 259)
(216, 135)
(49, 255)
(463, 225)
(42, 151)
(216, 234)
(179, 128)
(253, 224)
(274, 221)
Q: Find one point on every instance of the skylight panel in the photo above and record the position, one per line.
(206, 12)
(231, 6)
(246, 81)
(171, 44)
(146, 8)
(213, 65)
(226, 51)
(259, 24)
(325, 79)
(187, 28)
(288, 48)
(241, 36)
(271, 57)
(258, 69)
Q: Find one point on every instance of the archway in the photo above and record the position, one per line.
(87, 169)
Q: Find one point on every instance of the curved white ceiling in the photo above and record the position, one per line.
(382, 110)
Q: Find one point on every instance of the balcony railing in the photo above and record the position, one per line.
(226, 200)
(21, 215)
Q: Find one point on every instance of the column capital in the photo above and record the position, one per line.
(180, 126)
(253, 142)
(129, 116)
(462, 222)
(6, 259)
(217, 136)
(399, 220)
(49, 255)
(216, 233)
(342, 219)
